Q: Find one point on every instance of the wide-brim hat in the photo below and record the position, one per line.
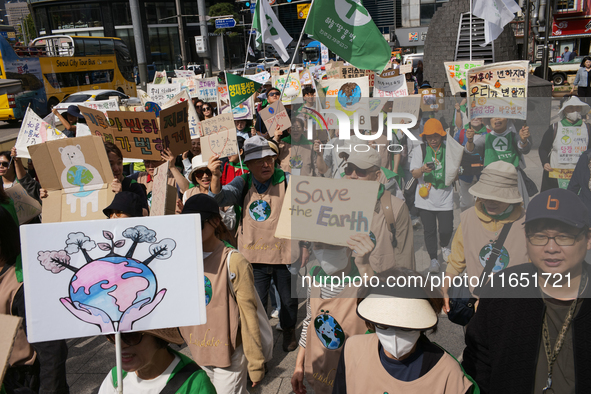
(170, 335)
(498, 182)
(433, 126)
(127, 202)
(411, 313)
(258, 147)
(196, 164)
(75, 111)
(574, 101)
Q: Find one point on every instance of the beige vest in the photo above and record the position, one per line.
(212, 344)
(366, 375)
(256, 239)
(190, 193)
(478, 243)
(382, 257)
(296, 159)
(22, 352)
(321, 362)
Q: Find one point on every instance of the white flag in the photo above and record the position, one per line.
(269, 30)
(496, 14)
(250, 51)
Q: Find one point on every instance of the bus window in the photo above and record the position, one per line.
(124, 61)
(107, 47)
(81, 78)
(92, 47)
(79, 47)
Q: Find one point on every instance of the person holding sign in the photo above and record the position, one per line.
(260, 193)
(432, 197)
(296, 153)
(272, 96)
(151, 366)
(229, 344)
(200, 176)
(12, 172)
(122, 183)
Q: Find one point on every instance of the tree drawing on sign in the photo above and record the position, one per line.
(113, 291)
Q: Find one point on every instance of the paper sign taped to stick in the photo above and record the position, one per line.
(292, 90)
(457, 72)
(194, 124)
(112, 275)
(261, 78)
(275, 115)
(26, 206)
(10, 326)
(498, 90)
(162, 93)
(244, 111)
(34, 131)
(184, 73)
(432, 99)
(160, 78)
(326, 210)
(207, 89)
(219, 137)
(77, 175)
(163, 194)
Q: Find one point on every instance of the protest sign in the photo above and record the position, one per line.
(333, 73)
(193, 119)
(188, 84)
(102, 105)
(293, 88)
(113, 275)
(376, 104)
(162, 93)
(306, 77)
(163, 201)
(174, 127)
(390, 86)
(405, 68)
(10, 326)
(26, 207)
(406, 105)
(346, 95)
(143, 96)
(240, 89)
(34, 131)
(274, 71)
(223, 100)
(453, 158)
(160, 78)
(351, 72)
(261, 78)
(244, 111)
(207, 89)
(77, 176)
(498, 90)
(273, 116)
(457, 72)
(432, 99)
(326, 210)
(219, 137)
(184, 73)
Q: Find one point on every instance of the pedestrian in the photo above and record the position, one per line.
(231, 306)
(432, 197)
(567, 55)
(272, 96)
(184, 161)
(125, 205)
(582, 79)
(534, 337)
(580, 182)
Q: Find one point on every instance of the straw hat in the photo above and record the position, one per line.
(196, 164)
(498, 182)
(574, 102)
(433, 126)
(170, 335)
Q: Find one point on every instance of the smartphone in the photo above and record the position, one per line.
(431, 165)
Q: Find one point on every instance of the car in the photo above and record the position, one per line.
(249, 66)
(561, 70)
(269, 62)
(93, 95)
(197, 68)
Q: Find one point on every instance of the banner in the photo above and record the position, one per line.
(194, 124)
(207, 89)
(498, 90)
(269, 30)
(390, 86)
(184, 73)
(219, 137)
(261, 78)
(457, 72)
(26, 206)
(34, 131)
(160, 78)
(162, 93)
(223, 100)
(240, 89)
(292, 91)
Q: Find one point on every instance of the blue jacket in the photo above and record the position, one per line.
(581, 77)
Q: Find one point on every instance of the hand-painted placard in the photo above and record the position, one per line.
(292, 91)
(102, 105)
(137, 134)
(34, 131)
(160, 78)
(174, 127)
(327, 210)
(223, 100)
(346, 96)
(244, 111)
(162, 93)
(188, 84)
(104, 276)
(261, 78)
(498, 90)
(306, 77)
(405, 68)
(163, 201)
(390, 86)
(184, 73)
(457, 72)
(207, 89)
(219, 137)
(432, 99)
(194, 124)
(26, 206)
(406, 105)
(10, 326)
(274, 116)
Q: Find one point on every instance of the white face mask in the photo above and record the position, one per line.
(398, 342)
(573, 116)
(332, 260)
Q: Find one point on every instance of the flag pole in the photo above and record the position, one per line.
(247, 48)
(470, 30)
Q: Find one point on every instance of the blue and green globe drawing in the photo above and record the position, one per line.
(349, 94)
(79, 176)
(259, 210)
(124, 280)
(329, 331)
(501, 263)
(208, 291)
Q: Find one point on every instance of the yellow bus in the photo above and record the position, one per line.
(53, 67)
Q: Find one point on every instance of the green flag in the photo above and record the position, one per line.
(347, 29)
(240, 89)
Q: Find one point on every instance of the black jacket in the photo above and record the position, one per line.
(503, 338)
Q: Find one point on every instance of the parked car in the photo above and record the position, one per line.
(197, 68)
(240, 68)
(561, 70)
(93, 95)
(269, 62)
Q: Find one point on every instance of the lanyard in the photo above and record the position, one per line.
(552, 354)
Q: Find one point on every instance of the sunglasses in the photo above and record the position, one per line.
(4, 164)
(206, 108)
(200, 173)
(130, 339)
(360, 173)
(273, 94)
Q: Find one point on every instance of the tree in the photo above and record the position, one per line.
(30, 28)
(220, 9)
(139, 234)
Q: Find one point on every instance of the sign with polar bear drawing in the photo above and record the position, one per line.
(103, 276)
(76, 174)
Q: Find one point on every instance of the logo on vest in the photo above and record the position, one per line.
(295, 161)
(259, 210)
(500, 144)
(502, 261)
(208, 290)
(329, 331)
(566, 140)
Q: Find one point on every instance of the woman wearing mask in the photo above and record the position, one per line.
(582, 79)
(563, 143)
(399, 358)
(231, 308)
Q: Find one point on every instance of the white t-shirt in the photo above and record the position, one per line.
(132, 384)
(438, 199)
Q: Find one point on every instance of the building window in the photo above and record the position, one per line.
(157, 11)
(427, 12)
(121, 14)
(75, 16)
(566, 5)
(165, 47)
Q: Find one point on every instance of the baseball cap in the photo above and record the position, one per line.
(558, 204)
(364, 160)
(258, 147)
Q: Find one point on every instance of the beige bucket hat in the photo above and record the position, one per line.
(498, 182)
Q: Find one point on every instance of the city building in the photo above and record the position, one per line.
(572, 26)
(16, 12)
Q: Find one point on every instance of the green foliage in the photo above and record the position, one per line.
(30, 27)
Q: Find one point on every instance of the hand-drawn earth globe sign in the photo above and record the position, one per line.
(349, 94)
(80, 176)
(113, 284)
(329, 331)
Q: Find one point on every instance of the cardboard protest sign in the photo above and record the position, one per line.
(457, 72)
(193, 119)
(163, 195)
(354, 72)
(219, 137)
(326, 210)
(143, 96)
(293, 88)
(102, 105)
(223, 100)
(77, 175)
(274, 115)
(405, 68)
(10, 325)
(346, 95)
(240, 89)
(453, 157)
(261, 78)
(306, 77)
(184, 73)
(188, 84)
(432, 99)
(162, 93)
(34, 131)
(244, 111)
(26, 206)
(498, 90)
(390, 86)
(207, 89)
(376, 104)
(333, 73)
(112, 275)
(160, 78)
(174, 127)
(406, 105)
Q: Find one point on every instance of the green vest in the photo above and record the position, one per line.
(502, 148)
(436, 177)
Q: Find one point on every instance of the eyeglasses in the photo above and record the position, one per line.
(561, 239)
(200, 173)
(130, 338)
(206, 108)
(4, 164)
(272, 94)
(360, 172)
(265, 160)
